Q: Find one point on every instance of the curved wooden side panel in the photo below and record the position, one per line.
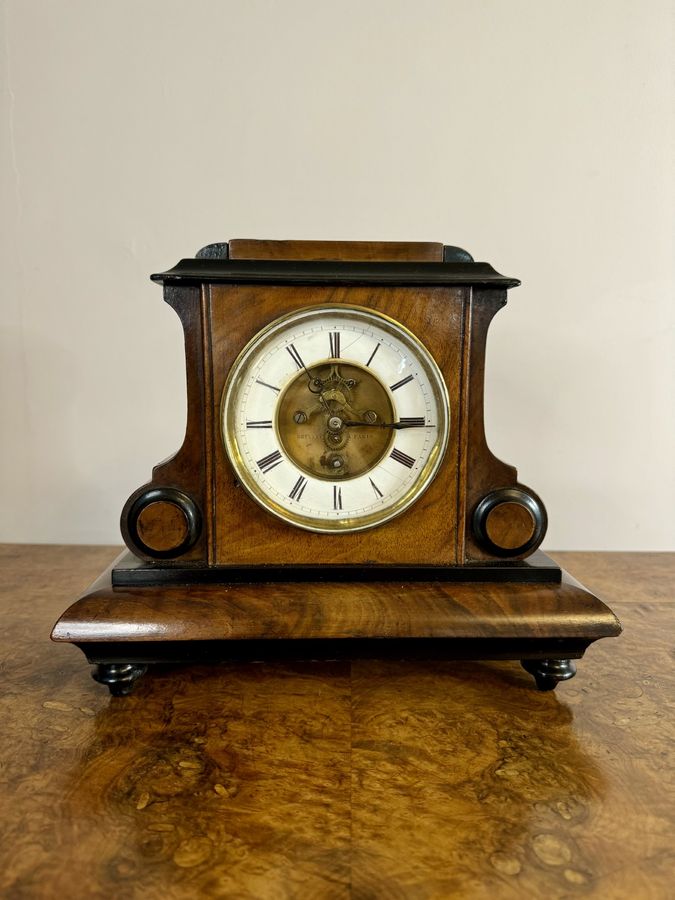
(481, 471)
(185, 471)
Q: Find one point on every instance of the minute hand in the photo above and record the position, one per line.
(397, 425)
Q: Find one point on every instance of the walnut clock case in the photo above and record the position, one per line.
(334, 494)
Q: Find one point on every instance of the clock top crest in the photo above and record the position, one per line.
(334, 448)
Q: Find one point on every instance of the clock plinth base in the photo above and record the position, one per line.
(123, 629)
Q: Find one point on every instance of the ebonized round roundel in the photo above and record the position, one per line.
(164, 522)
(510, 522)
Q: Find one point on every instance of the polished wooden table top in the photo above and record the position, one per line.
(338, 780)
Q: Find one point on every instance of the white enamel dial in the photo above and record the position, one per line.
(335, 418)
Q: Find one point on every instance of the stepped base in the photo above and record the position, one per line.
(123, 629)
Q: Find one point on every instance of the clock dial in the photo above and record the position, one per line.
(335, 418)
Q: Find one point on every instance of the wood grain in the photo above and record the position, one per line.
(348, 251)
(480, 470)
(509, 525)
(283, 781)
(162, 526)
(326, 610)
(188, 468)
(248, 535)
(337, 780)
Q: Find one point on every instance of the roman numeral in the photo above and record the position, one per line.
(378, 492)
(402, 458)
(267, 423)
(372, 355)
(395, 387)
(337, 497)
(295, 356)
(334, 337)
(298, 488)
(265, 384)
(267, 463)
(413, 421)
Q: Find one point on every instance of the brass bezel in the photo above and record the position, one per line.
(346, 525)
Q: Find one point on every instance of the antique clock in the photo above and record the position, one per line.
(334, 495)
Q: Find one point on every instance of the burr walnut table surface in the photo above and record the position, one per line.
(338, 780)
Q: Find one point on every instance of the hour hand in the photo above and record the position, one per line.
(409, 422)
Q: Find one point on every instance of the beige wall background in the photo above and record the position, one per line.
(538, 134)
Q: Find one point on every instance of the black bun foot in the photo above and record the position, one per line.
(119, 677)
(548, 672)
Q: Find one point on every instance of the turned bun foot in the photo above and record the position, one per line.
(119, 677)
(548, 672)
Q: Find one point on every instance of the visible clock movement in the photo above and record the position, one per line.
(334, 438)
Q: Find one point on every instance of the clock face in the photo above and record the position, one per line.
(335, 418)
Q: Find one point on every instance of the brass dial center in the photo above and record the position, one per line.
(311, 415)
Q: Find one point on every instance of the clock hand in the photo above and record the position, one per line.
(397, 425)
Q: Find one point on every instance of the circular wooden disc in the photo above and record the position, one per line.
(509, 525)
(162, 526)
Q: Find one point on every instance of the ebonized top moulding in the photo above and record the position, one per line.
(433, 274)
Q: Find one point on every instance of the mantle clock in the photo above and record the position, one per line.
(335, 495)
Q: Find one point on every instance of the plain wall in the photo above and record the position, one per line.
(538, 134)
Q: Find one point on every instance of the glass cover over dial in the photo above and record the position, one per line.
(335, 418)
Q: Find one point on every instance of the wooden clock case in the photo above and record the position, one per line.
(211, 576)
